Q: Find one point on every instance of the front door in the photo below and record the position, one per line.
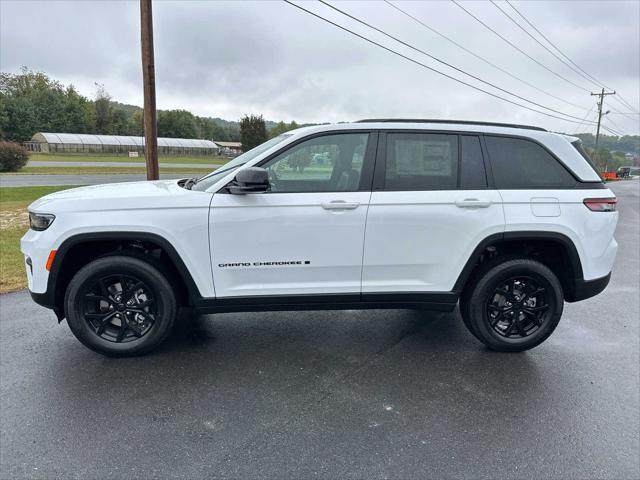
(306, 234)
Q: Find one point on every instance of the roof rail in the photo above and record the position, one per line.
(462, 122)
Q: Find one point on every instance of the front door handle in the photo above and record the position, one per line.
(472, 203)
(340, 205)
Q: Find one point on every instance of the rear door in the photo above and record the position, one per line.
(306, 234)
(431, 205)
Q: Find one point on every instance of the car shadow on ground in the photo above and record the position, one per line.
(276, 351)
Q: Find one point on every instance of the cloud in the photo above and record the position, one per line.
(230, 58)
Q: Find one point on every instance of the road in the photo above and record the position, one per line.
(77, 179)
(41, 163)
(356, 394)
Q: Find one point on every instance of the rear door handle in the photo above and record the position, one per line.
(340, 205)
(472, 203)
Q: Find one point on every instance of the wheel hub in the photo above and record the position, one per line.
(119, 308)
(517, 307)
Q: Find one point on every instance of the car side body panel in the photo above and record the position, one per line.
(287, 243)
(590, 232)
(420, 241)
(161, 208)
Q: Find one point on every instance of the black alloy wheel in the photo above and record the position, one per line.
(121, 305)
(512, 304)
(518, 307)
(119, 308)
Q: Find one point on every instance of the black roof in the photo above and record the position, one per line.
(461, 122)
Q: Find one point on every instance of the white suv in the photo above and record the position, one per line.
(508, 220)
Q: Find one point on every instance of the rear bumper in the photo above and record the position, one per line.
(589, 288)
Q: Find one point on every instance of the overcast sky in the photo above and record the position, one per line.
(226, 59)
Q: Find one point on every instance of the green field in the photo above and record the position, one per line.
(14, 222)
(50, 157)
(20, 197)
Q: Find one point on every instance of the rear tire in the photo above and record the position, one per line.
(120, 306)
(512, 305)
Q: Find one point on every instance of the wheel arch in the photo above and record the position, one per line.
(569, 270)
(77, 250)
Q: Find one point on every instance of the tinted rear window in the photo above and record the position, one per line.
(523, 164)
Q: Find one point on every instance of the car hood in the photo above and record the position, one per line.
(118, 196)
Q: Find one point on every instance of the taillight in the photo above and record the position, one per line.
(601, 204)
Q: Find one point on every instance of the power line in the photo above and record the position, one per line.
(611, 130)
(602, 94)
(518, 48)
(614, 124)
(583, 120)
(593, 79)
(626, 104)
(598, 84)
(352, 17)
(626, 114)
(390, 50)
(482, 58)
(620, 99)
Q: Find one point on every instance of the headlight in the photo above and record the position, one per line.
(40, 221)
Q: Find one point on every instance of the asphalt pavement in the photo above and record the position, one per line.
(45, 163)
(29, 180)
(355, 394)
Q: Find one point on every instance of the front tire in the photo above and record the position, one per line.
(120, 306)
(515, 304)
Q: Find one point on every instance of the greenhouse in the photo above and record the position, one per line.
(116, 144)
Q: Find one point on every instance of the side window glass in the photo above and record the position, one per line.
(522, 164)
(472, 171)
(331, 163)
(421, 161)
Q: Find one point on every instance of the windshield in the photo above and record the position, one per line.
(208, 180)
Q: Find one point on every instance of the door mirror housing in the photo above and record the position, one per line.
(250, 180)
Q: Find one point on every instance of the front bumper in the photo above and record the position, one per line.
(36, 247)
(47, 300)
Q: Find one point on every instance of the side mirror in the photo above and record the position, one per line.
(250, 180)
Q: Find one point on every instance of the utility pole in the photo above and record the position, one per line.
(602, 94)
(149, 81)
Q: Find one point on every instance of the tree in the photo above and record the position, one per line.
(12, 156)
(137, 123)
(78, 113)
(4, 117)
(176, 124)
(282, 127)
(31, 102)
(120, 123)
(253, 131)
(104, 110)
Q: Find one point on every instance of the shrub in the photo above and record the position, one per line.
(12, 156)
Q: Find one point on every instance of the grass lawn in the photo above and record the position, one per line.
(12, 269)
(110, 170)
(14, 222)
(51, 157)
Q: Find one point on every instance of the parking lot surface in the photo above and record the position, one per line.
(35, 180)
(356, 394)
